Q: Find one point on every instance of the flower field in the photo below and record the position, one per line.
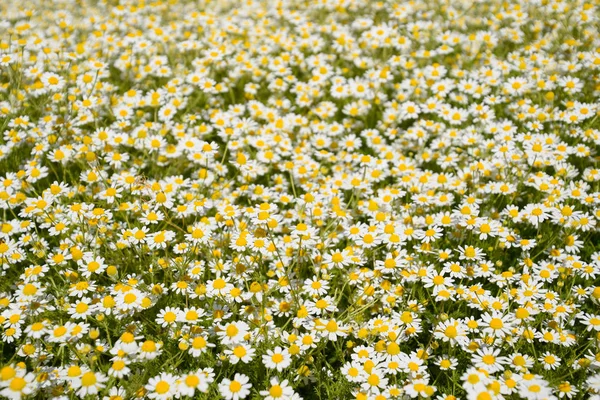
(330, 199)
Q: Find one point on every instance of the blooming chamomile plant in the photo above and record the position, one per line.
(299, 199)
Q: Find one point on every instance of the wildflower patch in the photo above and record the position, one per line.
(299, 199)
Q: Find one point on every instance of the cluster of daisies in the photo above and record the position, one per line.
(300, 199)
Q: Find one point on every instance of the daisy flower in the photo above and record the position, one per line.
(89, 383)
(277, 358)
(278, 390)
(236, 388)
(162, 387)
(233, 332)
(241, 352)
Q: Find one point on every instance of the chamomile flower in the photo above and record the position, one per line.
(240, 352)
(277, 358)
(89, 383)
(17, 383)
(549, 361)
(236, 388)
(233, 332)
(162, 386)
(496, 325)
(191, 382)
(278, 390)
